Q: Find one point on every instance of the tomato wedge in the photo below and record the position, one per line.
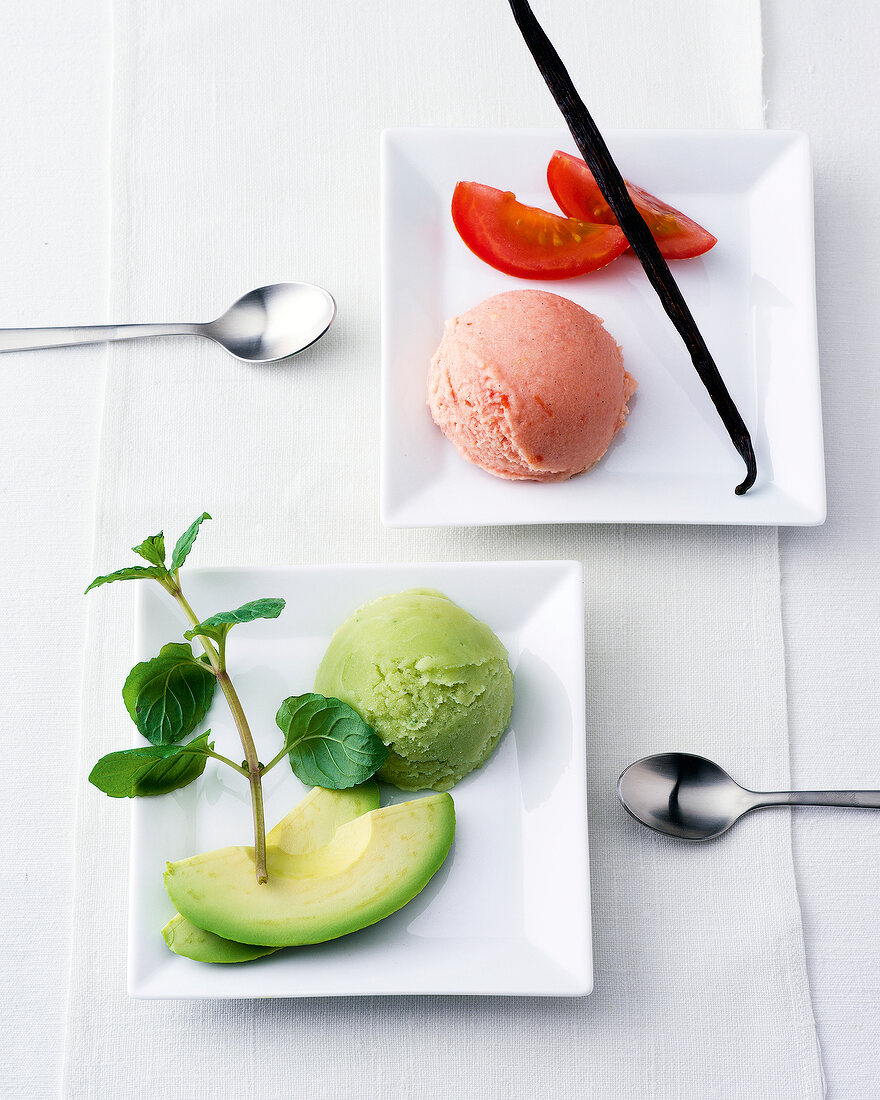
(528, 242)
(578, 195)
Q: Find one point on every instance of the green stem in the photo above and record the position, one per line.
(254, 771)
(226, 760)
(275, 759)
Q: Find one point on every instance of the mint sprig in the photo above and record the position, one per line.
(169, 696)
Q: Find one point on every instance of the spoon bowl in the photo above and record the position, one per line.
(273, 322)
(682, 795)
(692, 798)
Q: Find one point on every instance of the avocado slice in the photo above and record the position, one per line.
(372, 867)
(312, 822)
(309, 825)
(185, 938)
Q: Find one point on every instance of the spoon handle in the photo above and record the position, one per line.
(867, 800)
(27, 339)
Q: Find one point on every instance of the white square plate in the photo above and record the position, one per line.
(509, 912)
(753, 297)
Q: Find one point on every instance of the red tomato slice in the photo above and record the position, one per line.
(578, 195)
(528, 242)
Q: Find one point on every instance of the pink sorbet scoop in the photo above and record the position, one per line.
(529, 386)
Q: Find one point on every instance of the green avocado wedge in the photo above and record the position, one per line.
(372, 867)
(313, 822)
(185, 938)
(310, 825)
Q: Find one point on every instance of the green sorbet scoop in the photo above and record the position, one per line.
(431, 680)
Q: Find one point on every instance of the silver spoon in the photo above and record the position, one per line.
(692, 798)
(267, 324)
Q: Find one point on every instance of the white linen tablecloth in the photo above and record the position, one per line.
(245, 152)
(820, 75)
(831, 594)
(54, 231)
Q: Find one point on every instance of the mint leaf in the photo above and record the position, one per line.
(154, 769)
(330, 745)
(208, 629)
(218, 626)
(186, 540)
(130, 573)
(169, 695)
(152, 549)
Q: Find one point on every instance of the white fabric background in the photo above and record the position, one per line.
(683, 625)
(54, 229)
(821, 76)
(830, 589)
